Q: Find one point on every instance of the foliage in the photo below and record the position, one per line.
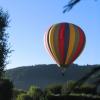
(70, 5)
(6, 89)
(23, 96)
(84, 88)
(59, 92)
(17, 92)
(4, 48)
(88, 89)
(67, 87)
(53, 89)
(35, 92)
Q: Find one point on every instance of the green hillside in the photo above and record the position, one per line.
(43, 75)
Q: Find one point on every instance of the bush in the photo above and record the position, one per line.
(17, 92)
(85, 88)
(6, 89)
(88, 89)
(67, 87)
(23, 96)
(53, 89)
(35, 92)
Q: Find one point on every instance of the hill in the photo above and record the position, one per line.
(43, 75)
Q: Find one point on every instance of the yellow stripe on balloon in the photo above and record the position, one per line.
(51, 42)
(71, 43)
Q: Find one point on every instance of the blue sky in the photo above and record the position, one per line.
(30, 19)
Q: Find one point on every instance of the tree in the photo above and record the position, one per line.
(23, 96)
(35, 92)
(4, 47)
(6, 86)
(6, 89)
(70, 5)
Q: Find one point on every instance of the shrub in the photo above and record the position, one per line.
(53, 89)
(67, 87)
(23, 96)
(17, 92)
(35, 92)
(6, 89)
(88, 88)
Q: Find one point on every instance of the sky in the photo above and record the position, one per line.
(30, 19)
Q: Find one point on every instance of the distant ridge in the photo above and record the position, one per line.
(43, 75)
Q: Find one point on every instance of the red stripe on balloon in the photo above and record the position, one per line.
(80, 45)
(61, 42)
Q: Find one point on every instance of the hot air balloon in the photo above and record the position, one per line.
(65, 42)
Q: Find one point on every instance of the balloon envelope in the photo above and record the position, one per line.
(65, 42)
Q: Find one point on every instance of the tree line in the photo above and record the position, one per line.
(58, 91)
